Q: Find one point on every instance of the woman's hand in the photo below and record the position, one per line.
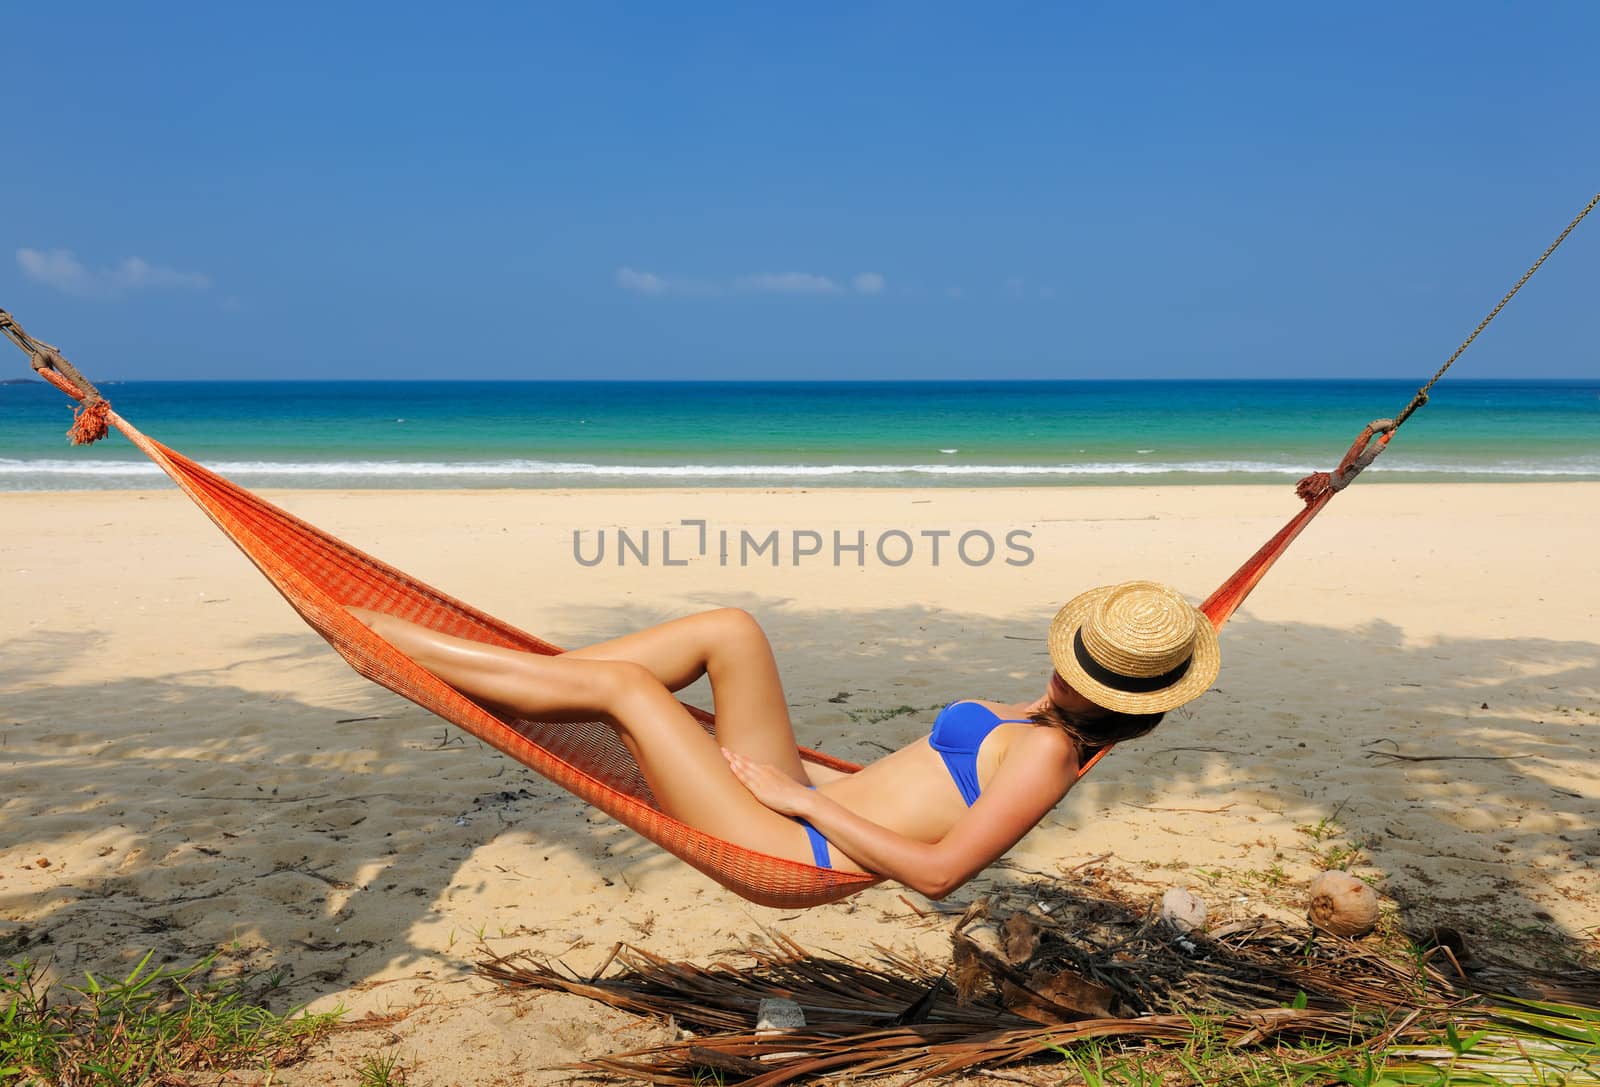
(777, 790)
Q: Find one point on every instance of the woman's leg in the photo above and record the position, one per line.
(728, 645)
(526, 683)
(682, 763)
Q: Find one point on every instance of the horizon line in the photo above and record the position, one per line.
(25, 380)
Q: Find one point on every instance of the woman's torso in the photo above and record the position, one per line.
(912, 791)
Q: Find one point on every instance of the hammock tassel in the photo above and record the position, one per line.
(1313, 487)
(89, 423)
(1362, 452)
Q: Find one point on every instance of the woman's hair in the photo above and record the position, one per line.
(1092, 731)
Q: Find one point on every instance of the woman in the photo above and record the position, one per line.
(931, 815)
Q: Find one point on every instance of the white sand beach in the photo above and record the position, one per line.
(185, 766)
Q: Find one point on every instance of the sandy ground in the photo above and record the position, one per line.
(184, 766)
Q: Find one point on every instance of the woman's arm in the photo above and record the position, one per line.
(1036, 773)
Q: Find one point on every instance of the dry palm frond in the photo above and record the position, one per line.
(837, 996)
(1032, 987)
(851, 1010)
(933, 1050)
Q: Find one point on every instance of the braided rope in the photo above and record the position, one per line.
(1375, 438)
(1422, 394)
(89, 419)
(45, 356)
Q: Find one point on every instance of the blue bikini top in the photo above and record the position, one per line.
(958, 732)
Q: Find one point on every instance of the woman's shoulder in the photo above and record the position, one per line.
(1043, 742)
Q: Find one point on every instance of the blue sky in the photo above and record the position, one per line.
(877, 190)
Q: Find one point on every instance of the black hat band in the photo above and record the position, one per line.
(1119, 682)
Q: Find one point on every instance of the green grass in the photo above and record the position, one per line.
(1096, 1066)
(1327, 844)
(1512, 1042)
(1519, 1041)
(872, 715)
(381, 1070)
(150, 1027)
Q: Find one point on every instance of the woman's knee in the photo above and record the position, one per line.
(618, 684)
(733, 626)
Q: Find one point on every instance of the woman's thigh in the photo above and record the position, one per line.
(692, 782)
(752, 714)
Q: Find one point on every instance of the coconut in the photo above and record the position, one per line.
(1182, 912)
(1343, 905)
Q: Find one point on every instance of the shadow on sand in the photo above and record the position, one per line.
(265, 825)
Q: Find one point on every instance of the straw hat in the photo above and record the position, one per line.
(1137, 647)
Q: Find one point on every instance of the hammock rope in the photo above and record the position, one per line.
(321, 576)
(1422, 394)
(89, 422)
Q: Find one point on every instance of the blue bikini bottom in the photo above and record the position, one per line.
(819, 844)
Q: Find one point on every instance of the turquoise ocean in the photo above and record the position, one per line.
(445, 434)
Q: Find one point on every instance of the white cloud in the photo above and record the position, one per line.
(954, 292)
(56, 268)
(643, 282)
(61, 269)
(796, 283)
(135, 274)
(787, 283)
(632, 279)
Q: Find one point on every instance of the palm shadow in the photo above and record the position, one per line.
(313, 838)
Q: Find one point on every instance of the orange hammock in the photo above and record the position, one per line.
(320, 576)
